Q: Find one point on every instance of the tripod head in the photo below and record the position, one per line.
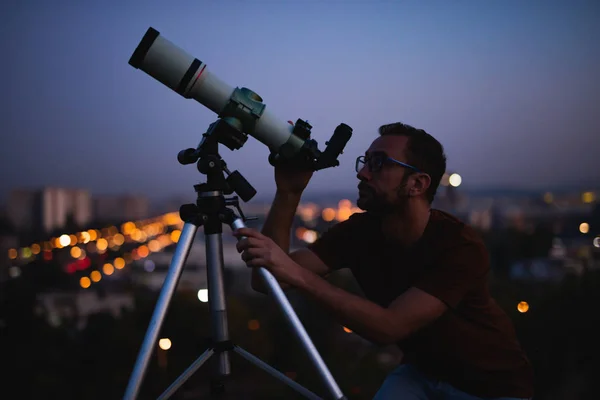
(209, 162)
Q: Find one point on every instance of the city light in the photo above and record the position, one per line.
(143, 251)
(108, 269)
(343, 214)
(175, 235)
(85, 237)
(93, 235)
(588, 197)
(584, 227)
(119, 263)
(98, 241)
(154, 246)
(101, 244)
(328, 214)
(347, 330)
(344, 203)
(309, 236)
(85, 282)
(64, 240)
(149, 265)
(596, 241)
(253, 325)
(118, 239)
(203, 295)
(164, 343)
(96, 276)
(455, 180)
(26, 252)
(308, 212)
(75, 252)
(523, 307)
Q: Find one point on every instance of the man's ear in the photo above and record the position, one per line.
(421, 183)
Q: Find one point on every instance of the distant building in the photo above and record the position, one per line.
(8, 241)
(61, 307)
(21, 210)
(48, 209)
(120, 208)
(151, 272)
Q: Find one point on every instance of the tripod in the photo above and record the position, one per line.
(212, 209)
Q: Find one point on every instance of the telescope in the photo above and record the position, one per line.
(241, 109)
(241, 113)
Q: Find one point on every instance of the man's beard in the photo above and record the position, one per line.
(376, 203)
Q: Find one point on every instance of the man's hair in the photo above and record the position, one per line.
(423, 152)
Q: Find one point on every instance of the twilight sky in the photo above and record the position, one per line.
(510, 88)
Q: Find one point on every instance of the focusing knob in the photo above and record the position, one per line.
(187, 156)
(302, 129)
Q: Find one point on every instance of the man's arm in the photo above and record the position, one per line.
(278, 223)
(277, 226)
(442, 287)
(406, 314)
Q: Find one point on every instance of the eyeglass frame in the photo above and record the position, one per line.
(365, 161)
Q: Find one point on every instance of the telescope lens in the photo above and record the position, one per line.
(142, 49)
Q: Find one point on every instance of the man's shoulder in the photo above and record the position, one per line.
(356, 225)
(452, 240)
(452, 230)
(362, 220)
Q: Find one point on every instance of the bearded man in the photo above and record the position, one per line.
(423, 272)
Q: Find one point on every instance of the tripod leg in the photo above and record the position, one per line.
(297, 326)
(175, 269)
(216, 298)
(266, 367)
(186, 374)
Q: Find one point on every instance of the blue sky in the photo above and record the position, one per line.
(510, 88)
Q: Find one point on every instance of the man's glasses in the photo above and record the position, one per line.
(375, 162)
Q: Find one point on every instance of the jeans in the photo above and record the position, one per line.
(407, 383)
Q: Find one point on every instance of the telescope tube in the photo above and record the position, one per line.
(190, 77)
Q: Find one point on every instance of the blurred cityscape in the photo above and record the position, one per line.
(80, 275)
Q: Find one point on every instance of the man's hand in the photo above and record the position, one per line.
(259, 250)
(292, 179)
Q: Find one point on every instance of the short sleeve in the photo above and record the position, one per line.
(455, 272)
(337, 245)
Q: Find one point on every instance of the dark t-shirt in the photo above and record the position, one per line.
(473, 346)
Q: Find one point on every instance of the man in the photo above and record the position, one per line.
(423, 272)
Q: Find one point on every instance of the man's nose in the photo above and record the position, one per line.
(364, 174)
